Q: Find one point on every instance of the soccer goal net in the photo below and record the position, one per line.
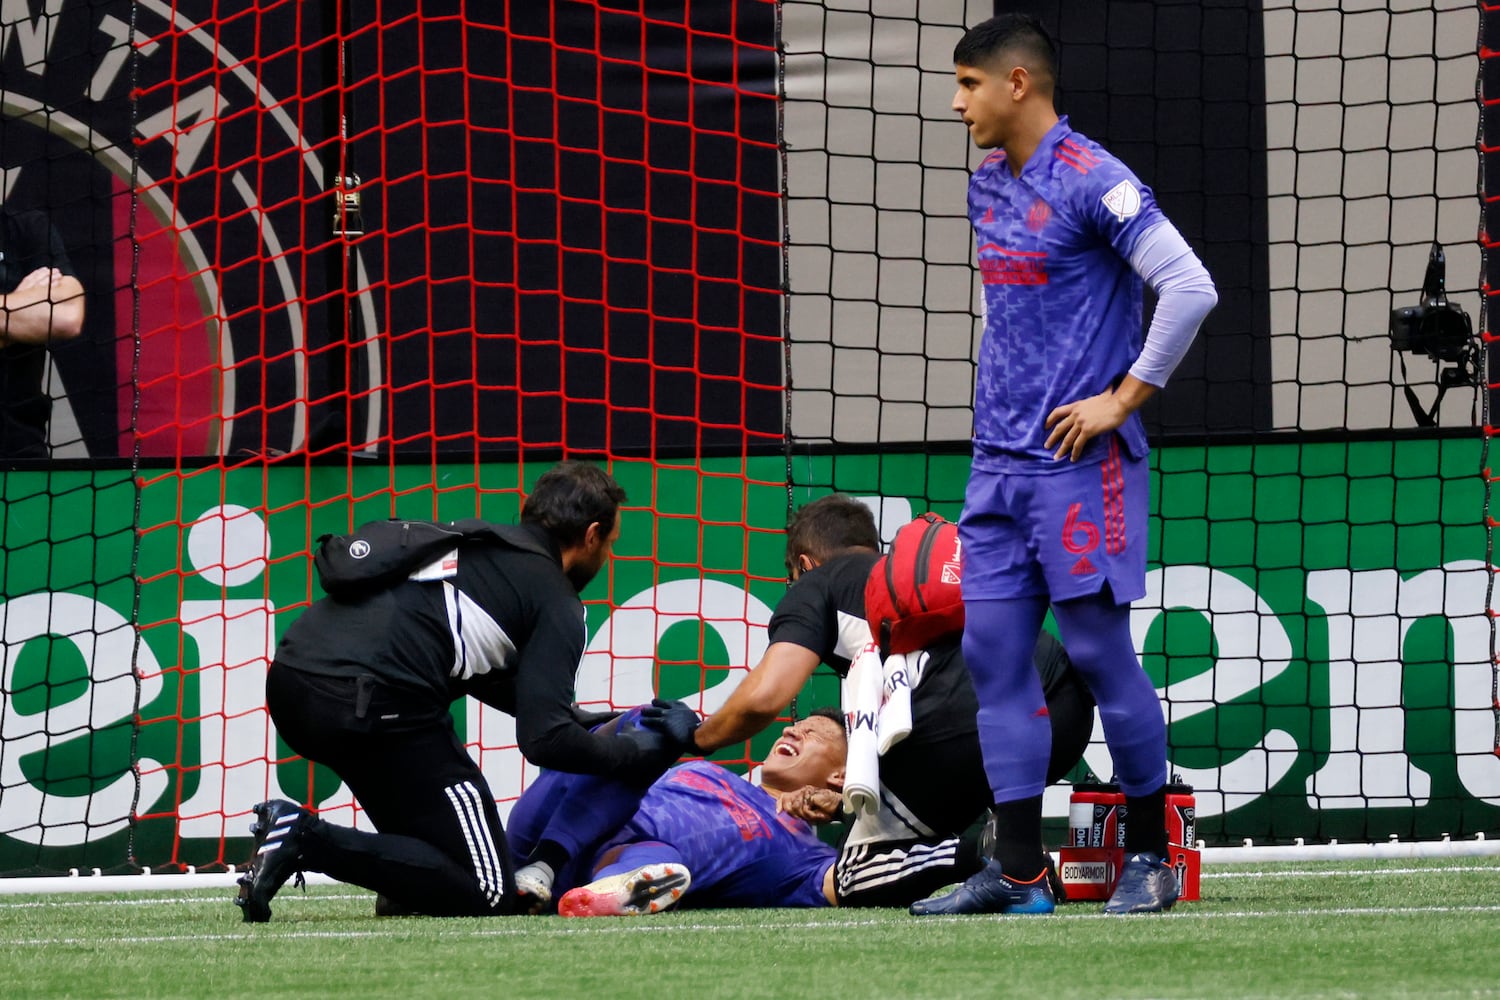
(345, 261)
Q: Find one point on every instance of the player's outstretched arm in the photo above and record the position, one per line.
(760, 698)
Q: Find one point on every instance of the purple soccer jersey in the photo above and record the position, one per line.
(739, 849)
(1062, 305)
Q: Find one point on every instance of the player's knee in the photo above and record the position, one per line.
(998, 658)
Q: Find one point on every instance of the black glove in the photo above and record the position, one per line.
(657, 753)
(673, 719)
(650, 741)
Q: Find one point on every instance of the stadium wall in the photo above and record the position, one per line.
(1325, 667)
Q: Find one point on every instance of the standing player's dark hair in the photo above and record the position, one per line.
(1019, 34)
(569, 497)
(830, 525)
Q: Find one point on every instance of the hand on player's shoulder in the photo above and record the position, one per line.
(814, 805)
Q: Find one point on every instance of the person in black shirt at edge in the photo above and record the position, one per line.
(364, 687)
(931, 829)
(41, 303)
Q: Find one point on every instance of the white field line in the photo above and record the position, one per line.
(1247, 854)
(152, 900)
(530, 928)
(120, 883)
(148, 900)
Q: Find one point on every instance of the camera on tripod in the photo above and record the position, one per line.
(1440, 330)
(1437, 328)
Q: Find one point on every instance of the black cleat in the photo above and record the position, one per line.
(385, 906)
(990, 890)
(1147, 885)
(277, 830)
(989, 838)
(1059, 890)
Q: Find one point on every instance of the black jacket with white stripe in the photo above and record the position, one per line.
(503, 625)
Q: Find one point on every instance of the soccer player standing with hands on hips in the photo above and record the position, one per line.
(1056, 507)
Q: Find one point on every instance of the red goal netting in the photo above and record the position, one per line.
(342, 261)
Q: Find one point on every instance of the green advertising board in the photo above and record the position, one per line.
(1316, 623)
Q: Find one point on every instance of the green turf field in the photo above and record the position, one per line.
(1363, 929)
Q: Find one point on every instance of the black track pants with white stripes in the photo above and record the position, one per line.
(440, 848)
(941, 784)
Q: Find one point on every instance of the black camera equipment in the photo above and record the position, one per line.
(1442, 331)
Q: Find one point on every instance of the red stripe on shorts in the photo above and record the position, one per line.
(1114, 500)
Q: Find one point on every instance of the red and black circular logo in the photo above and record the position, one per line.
(185, 214)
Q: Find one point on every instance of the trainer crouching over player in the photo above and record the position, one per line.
(362, 684)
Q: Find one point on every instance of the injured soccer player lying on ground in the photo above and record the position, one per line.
(702, 836)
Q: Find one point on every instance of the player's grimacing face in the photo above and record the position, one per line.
(984, 101)
(808, 752)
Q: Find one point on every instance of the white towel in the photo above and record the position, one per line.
(899, 675)
(861, 695)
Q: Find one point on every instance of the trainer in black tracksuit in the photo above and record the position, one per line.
(933, 781)
(364, 687)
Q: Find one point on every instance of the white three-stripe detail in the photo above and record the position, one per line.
(274, 838)
(479, 643)
(469, 809)
(860, 868)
